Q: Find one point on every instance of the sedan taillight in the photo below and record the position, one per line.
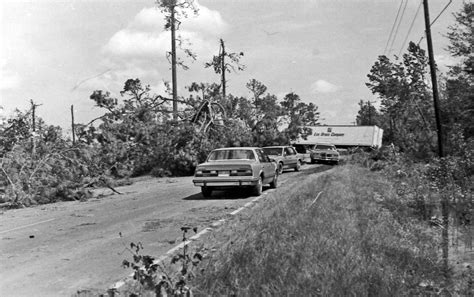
(241, 172)
(203, 172)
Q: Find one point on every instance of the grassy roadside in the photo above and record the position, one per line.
(353, 240)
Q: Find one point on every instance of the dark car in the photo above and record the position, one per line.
(236, 167)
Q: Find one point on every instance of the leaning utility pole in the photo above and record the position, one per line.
(444, 198)
(434, 81)
(173, 62)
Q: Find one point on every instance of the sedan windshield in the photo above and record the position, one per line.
(273, 151)
(220, 155)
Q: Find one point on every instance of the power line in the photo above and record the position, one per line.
(398, 26)
(393, 26)
(436, 18)
(409, 30)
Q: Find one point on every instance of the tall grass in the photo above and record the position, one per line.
(345, 243)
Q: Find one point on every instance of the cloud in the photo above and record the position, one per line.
(8, 79)
(130, 43)
(322, 86)
(145, 35)
(445, 61)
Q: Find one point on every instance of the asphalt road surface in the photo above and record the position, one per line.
(57, 249)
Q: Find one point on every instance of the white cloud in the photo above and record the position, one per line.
(145, 35)
(8, 79)
(322, 86)
(207, 22)
(445, 61)
(127, 43)
(139, 49)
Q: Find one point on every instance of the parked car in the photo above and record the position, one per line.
(285, 156)
(236, 167)
(325, 153)
(304, 150)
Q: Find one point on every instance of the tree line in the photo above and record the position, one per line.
(137, 135)
(406, 109)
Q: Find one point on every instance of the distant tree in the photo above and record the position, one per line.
(367, 114)
(175, 10)
(300, 115)
(241, 109)
(457, 104)
(14, 130)
(257, 89)
(221, 66)
(129, 126)
(268, 128)
(461, 37)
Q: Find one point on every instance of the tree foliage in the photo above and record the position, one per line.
(405, 100)
(299, 114)
(457, 104)
(177, 10)
(367, 114)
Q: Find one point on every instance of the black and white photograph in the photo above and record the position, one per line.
(236, 148)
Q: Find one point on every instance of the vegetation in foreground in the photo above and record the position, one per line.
(345, 233)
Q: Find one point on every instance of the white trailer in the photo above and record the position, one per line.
(344, 136)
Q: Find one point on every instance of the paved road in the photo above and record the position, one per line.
(56, 249)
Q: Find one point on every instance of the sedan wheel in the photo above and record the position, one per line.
(274, 183)
(280, 168)
(258, 189)
(298, 165)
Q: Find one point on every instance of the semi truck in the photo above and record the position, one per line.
(343, 136)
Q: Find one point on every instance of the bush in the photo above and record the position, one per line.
(52, 173)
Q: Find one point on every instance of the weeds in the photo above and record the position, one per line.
(348, 244)
(152, 278)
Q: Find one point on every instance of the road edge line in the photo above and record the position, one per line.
(117, 285)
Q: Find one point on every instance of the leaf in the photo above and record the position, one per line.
(197, 256)
(137, 258)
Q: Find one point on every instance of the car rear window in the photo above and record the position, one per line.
(220, 155)
(272, 151)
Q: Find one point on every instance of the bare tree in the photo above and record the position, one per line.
(221, 66)
(175, 10)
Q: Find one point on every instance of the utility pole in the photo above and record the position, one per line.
(173, 61)
(444, 198)
(223, 68)
(33, 116)
(33, 126)
(72, 126)
(434, 81)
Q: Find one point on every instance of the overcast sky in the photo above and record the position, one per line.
(57, 52)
